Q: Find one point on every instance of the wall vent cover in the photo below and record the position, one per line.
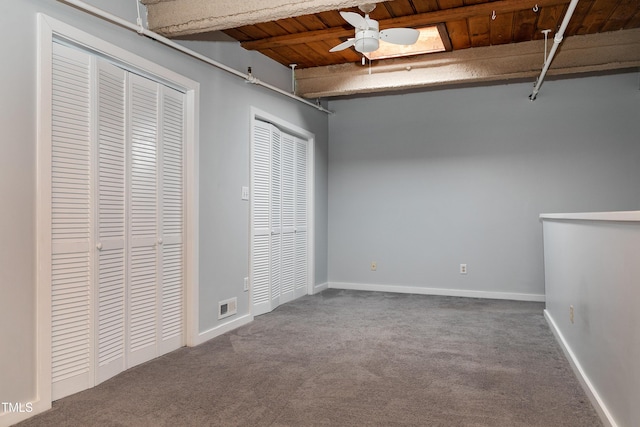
(227, 308)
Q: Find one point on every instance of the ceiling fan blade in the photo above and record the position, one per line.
(343, 45)
(404, 36)
(354, 19)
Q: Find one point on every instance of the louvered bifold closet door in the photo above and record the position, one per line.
(301, 235)
(110, 193)
(276, 218)
(279, 237)
(143, 221)
(71, 223)
(261, 224)
(288, 194)
(171, 289)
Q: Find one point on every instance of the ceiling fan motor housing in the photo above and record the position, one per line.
(367, 38)
(366, 41)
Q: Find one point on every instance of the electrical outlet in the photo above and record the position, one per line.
(374, 266)
(246, 284)
(571, 313)
(463, 268)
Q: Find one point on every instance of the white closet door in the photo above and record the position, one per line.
(288, 198)
(117, 220)
(143, 221)
(110, 193)
(276, 219)
(261, 228)
(301, 235)
(279, 261)
(171, 290)
(71, 223)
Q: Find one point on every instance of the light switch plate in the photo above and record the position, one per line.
(245, 193)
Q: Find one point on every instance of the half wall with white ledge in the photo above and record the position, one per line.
(592, 284)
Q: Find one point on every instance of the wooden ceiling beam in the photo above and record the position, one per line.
(174, 18)
(413, 21)
(579, 54)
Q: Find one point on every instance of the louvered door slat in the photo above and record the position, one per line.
(172, 208)
(71, 222)
(301, 260)
(172, 273)
(111, 279)
(287, 266)
(288, 181)
(143, 220)
(275, 218)
(287, 256)
(261, 176)
(261, 207)
(260, 276)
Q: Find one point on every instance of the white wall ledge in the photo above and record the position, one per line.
(628, 216)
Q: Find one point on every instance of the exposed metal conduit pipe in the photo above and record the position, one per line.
(143, 31)
(557, 39)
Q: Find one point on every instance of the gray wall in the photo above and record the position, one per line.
(423, 182)
(225, 103)
(593, 266)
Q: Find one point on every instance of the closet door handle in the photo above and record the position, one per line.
(99, 246)
(159, 241)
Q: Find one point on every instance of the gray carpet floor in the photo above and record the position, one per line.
(351, 358)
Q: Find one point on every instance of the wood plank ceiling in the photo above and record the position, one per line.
(306, 40)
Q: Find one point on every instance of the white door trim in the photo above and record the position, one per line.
(257, 114)
(50, 29)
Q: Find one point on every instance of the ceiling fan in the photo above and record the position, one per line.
(368, 35)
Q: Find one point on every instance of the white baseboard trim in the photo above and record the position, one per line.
(319, 288)
(588, 387)
(224, 328)
(438, 291)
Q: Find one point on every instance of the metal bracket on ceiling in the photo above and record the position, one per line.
(546, 37)
(139, 19)
(293, 77)
(250, 78)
